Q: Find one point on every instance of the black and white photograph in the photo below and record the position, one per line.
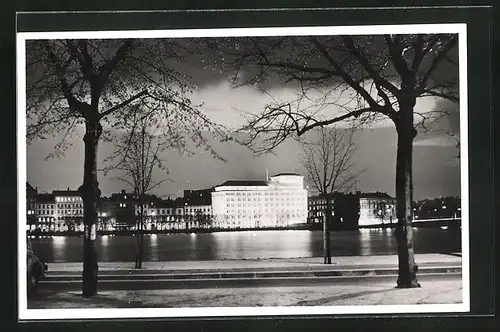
(243, 172)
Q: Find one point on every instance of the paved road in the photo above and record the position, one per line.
(149, 282)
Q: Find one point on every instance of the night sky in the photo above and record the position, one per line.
(436, 166)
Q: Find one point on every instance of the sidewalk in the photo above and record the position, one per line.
(311, 263)
(372, 291)
(385, 293)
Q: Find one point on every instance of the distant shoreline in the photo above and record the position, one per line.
(454, 223)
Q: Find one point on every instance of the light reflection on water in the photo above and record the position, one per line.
(104, 245)
(259, 244)
(246, 245)
(58, 244)
(365, 241)
(154, 247)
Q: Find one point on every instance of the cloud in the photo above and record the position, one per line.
(436, 141)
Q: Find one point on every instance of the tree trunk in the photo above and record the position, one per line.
(138, 234)
(407, 276)
(90, 194)
(327, 258)
(141, 243)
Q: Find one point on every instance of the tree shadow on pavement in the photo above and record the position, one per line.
(56, 300)
(329, 299)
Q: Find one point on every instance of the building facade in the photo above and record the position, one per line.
(198, 208)
(316, 206)
(279, 202)
(344, 214)
(160, 214)
(437, 208)
(68, 210)
(31, 210)
(376, 208)
(59, 211)
(106, 214)
(45, 213)
(122, 210)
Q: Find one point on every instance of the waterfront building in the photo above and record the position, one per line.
(198, 216)
(350, 211)
(194, 210)
(279, 202)
(31, 218)
(345, 210)
(45, 213)
(160, 214)
(376, 208)
(437, 208)
(198, 208)
(68, 210)
(316, 206)
(198, 197)
(123, 206)
(106, 214)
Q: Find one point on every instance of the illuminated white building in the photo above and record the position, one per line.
(68, 210)
(58, 212)
(279, 202)
(161, 215)
(375, 209)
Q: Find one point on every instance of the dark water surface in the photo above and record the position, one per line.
(246, 245)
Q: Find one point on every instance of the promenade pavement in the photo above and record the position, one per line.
(382, 291)
(363, 293)
(279, 264)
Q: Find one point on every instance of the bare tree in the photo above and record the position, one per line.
(327, 160)
(367, 78)
(91, 83)
(137, 156)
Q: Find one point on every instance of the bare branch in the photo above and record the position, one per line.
(352, 82)
(348, 79)
(436, 61)
(120, 54)
(74, 104)
(368, 67)
(123, 104)
(396, 53)
(327, 160)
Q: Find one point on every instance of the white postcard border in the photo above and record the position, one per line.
(45, 314)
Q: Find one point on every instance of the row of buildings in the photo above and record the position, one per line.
(280, 201)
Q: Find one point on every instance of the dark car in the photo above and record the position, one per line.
(35, 267)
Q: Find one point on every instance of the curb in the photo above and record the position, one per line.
(165, 269)
(155, 275)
